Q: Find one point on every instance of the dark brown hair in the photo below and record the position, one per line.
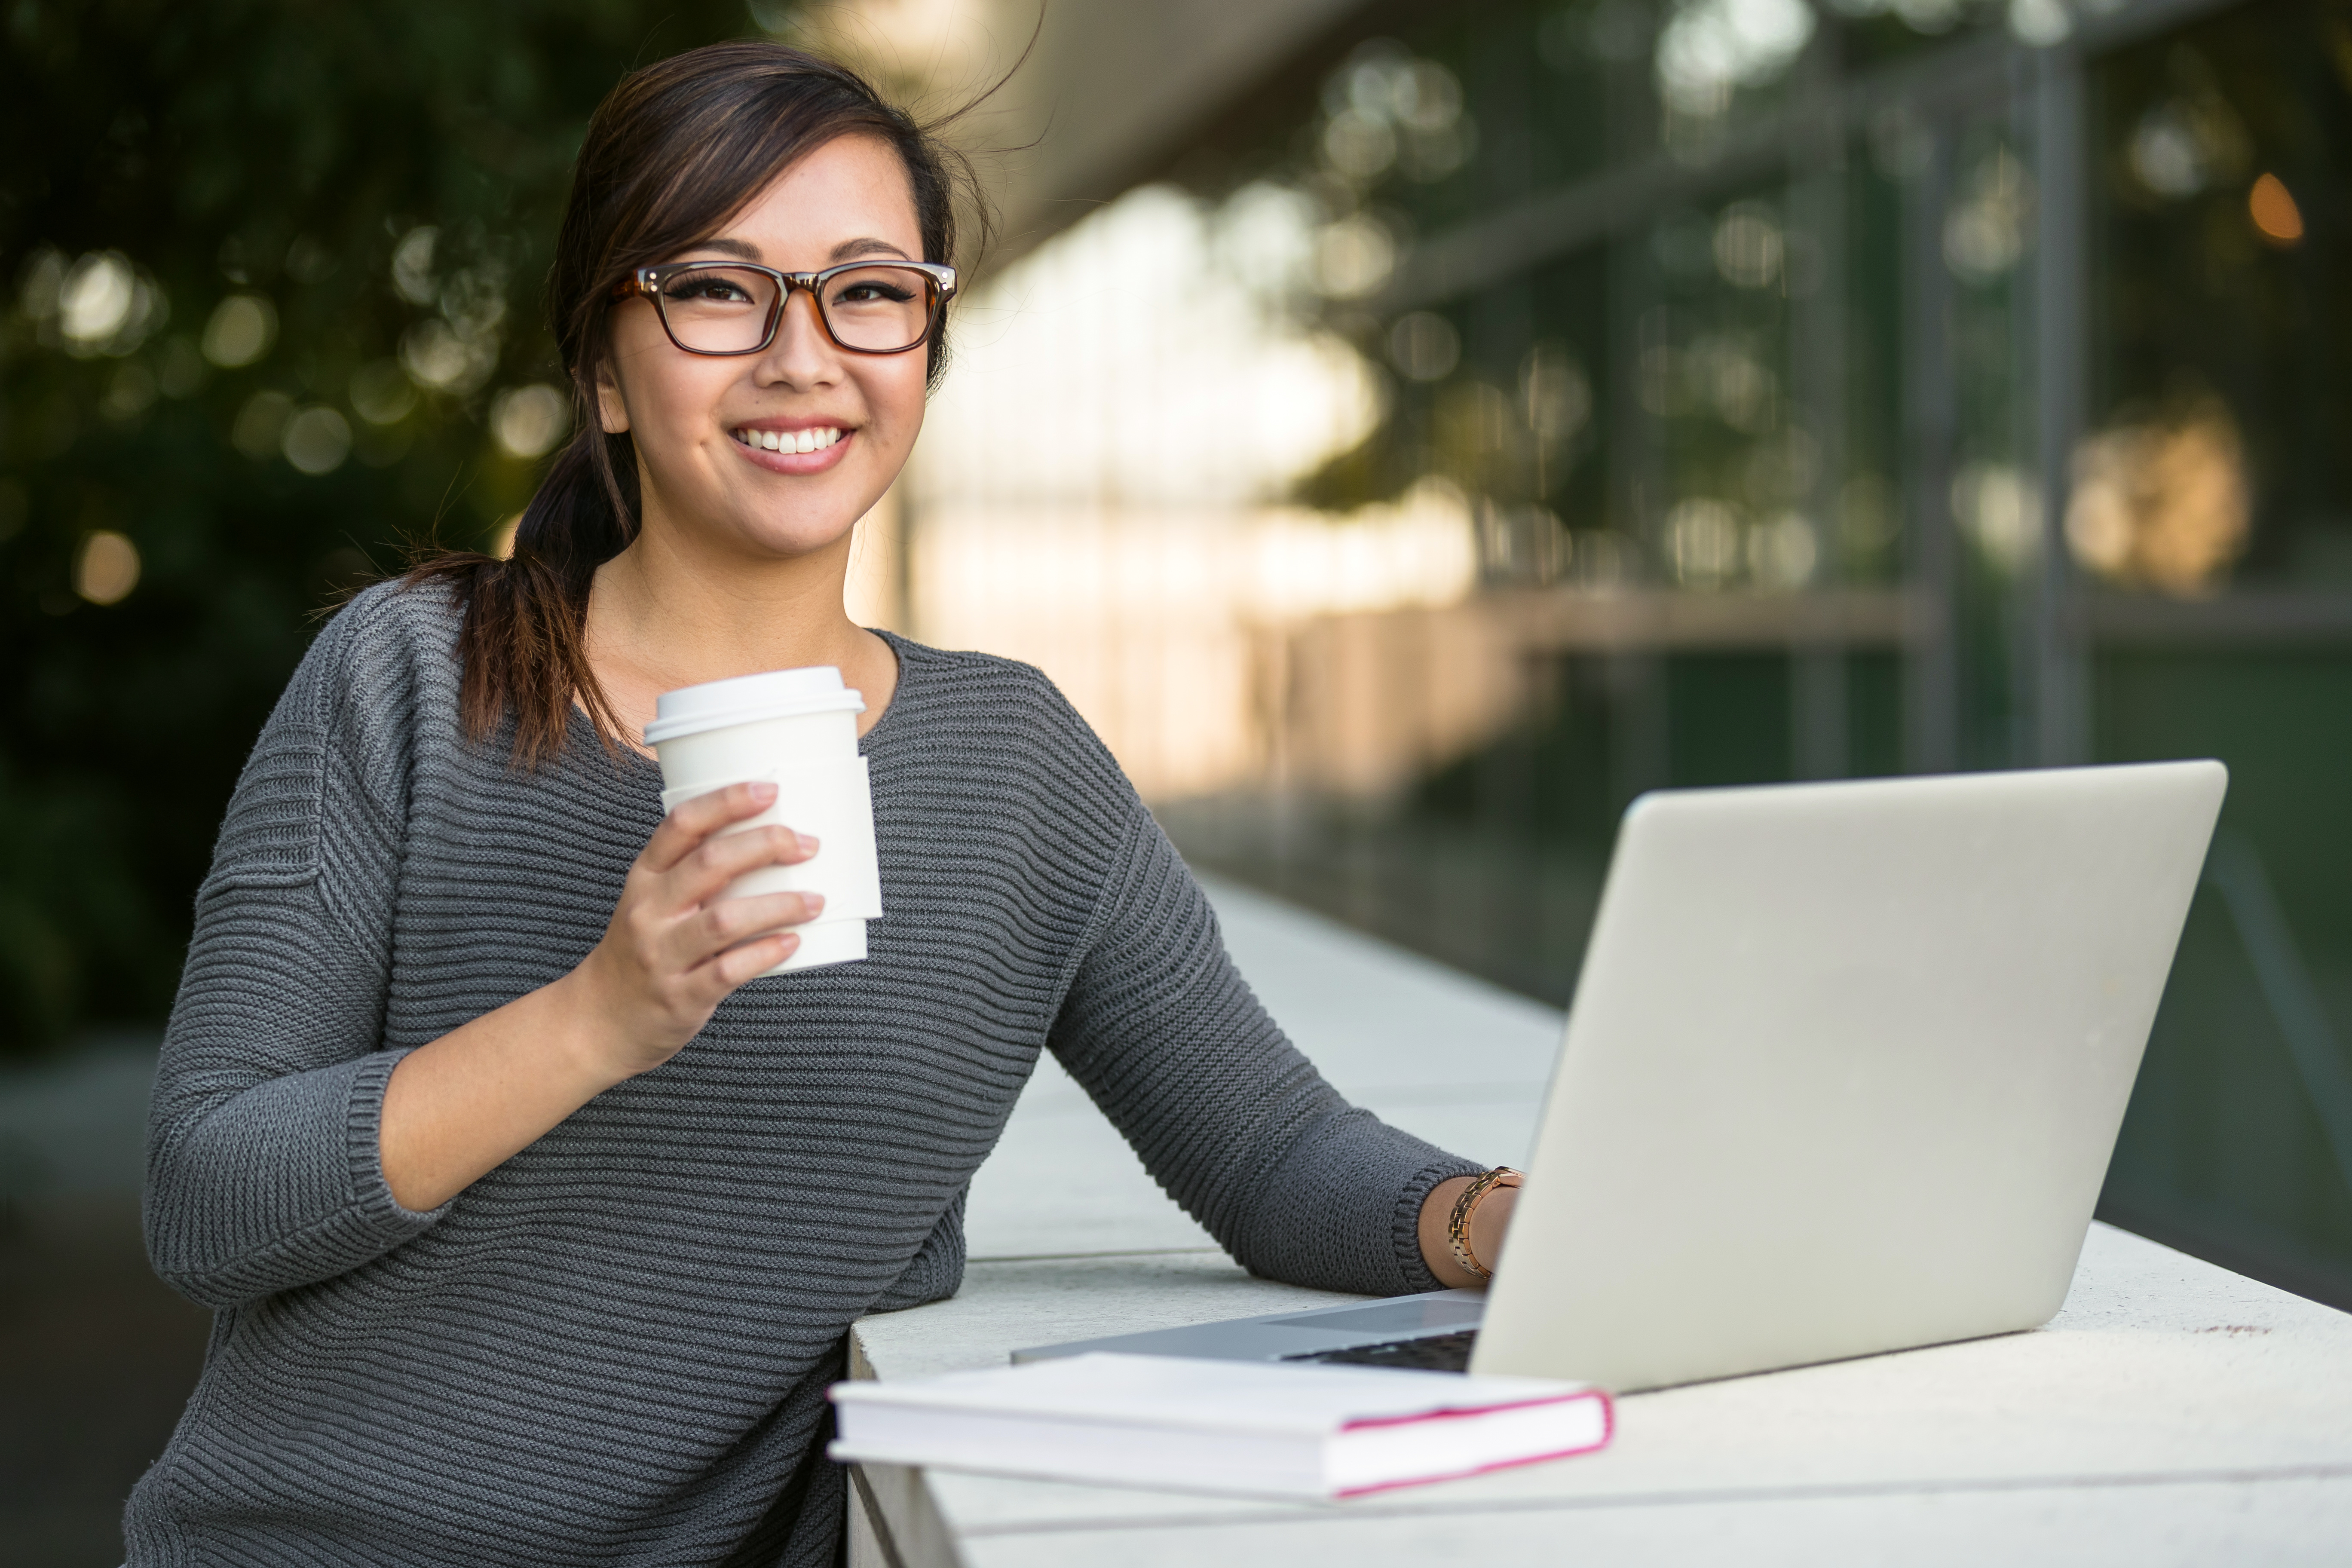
(674, 152)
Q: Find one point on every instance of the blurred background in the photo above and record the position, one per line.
(1407, 432)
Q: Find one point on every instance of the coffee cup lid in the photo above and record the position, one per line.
(748, 698)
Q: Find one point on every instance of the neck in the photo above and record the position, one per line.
(671, 611)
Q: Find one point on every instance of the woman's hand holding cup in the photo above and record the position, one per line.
(676, 947)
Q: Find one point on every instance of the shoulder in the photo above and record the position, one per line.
(991, 698)
(1002, 717)
(390, 651)
(394, 624)
(384, 667)
(343, 729)
(985, 679)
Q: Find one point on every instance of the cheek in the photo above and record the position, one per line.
(897, 397)
(671, 398)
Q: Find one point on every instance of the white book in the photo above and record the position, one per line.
(1264, 1428)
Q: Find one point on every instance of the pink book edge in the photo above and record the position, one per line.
(1608, 1431)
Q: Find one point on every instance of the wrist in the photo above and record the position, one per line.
(1435, 1255)
(1474, 1226)
(1491, 1223)
(582, 1027)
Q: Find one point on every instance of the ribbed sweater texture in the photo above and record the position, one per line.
(614, 1347)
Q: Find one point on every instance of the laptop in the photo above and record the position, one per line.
(1844, 1072)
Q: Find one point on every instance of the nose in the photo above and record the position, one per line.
(798, 295)
(802, 352)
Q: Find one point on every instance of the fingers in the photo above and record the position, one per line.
(700, 876)
(685, 942)
(732, 920)
(752, 959)
(737, 939)
(697, 958)
(685, 829)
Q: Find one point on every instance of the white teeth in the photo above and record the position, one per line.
(813, 440)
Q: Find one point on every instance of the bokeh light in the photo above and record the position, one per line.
(316, 440)
(240, 330)
(2273, 208)
(527, 421)
(106, 567)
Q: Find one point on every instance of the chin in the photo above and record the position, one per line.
(788, 538)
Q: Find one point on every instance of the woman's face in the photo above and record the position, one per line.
(695, 417)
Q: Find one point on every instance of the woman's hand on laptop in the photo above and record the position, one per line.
(1489, 1223)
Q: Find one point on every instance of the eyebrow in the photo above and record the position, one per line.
(731, 247)
(847, 250)
(853, 248)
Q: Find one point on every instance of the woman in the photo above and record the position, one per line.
(533, 1222)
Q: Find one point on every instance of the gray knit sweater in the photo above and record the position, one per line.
(614, 1347)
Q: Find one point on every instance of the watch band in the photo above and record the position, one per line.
(1457, 1227)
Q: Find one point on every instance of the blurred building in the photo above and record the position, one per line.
(1409, 433)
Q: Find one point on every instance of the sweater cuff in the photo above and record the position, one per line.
(364, 1147)
(1407, 1230)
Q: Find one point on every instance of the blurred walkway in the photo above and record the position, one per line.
(96, 1356)
(76, 1126)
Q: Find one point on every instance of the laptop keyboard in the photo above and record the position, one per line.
(1430, 1352)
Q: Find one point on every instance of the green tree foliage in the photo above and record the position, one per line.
(274, 307)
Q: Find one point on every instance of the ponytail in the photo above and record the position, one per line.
(522, 643)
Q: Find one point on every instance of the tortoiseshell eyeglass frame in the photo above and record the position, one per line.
(649, 282)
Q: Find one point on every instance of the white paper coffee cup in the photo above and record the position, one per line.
(798, 730)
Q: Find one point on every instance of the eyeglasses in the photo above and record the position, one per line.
(733, 307)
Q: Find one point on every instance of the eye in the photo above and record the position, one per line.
(872, 291)
(708, 288)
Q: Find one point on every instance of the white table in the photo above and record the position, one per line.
(2173, 1412)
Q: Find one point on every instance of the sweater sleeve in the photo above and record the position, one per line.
(263, 1167)
(1228, 1116)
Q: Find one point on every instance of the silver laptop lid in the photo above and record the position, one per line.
(1844, 1068)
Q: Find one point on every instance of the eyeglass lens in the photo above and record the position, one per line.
(727, 310)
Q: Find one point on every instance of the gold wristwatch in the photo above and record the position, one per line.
(1457, 1229)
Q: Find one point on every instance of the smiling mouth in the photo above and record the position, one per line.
(811, 440)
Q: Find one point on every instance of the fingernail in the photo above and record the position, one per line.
(763, 791)
(808, 843)
(812, 901)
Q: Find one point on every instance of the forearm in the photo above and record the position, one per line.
(457, 1109)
